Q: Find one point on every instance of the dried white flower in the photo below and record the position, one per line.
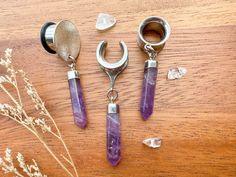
(6, 61)
(3, 79)
(42, 124)
(17, 113)
(8, 157)
(8, 53)
(1, 106)
(28, 121)
(31, 91)
(10, 111)
(7, 165)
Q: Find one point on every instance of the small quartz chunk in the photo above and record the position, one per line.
(152, 142)
(176, 73)
(105, 21)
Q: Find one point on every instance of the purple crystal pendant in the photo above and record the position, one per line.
(63, 39)
(161, 27)
(113, 115)
(148, 89)
(77, 100)
(113, 134)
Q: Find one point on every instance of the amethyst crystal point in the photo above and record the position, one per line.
(77, 101)
(148, 90)
(113, 134)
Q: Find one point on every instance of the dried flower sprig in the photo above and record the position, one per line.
(7, 165)
(36, 125)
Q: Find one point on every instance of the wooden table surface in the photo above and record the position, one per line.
(195, 116)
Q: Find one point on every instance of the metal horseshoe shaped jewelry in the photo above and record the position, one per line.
(63, 38)
(160, 26)
(113, 116)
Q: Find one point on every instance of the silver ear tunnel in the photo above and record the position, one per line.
(160, 26)
(157, 24)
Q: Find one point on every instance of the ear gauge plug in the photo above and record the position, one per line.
(63, 39)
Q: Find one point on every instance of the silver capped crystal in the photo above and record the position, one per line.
(176, 73)
(152, 142)
(105, 21)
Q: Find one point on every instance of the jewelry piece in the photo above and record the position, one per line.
(113, 116)
(63, 38)
(162, 27)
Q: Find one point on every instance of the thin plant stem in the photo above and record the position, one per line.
(60, 138)
(33, 129)
(17, 90)
(45, 145)
(17, 173)
(67, 151)
(66, 159)
(39, 138)
(50, 151)
(5, 90)
(62, 141)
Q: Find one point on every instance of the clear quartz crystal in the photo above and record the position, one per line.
(176, 73)
(152, 142)
(105, 21)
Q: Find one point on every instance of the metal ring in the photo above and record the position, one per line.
(112, 69)
(112, 94)
(44, 41)
(157, 24)
(119, 65)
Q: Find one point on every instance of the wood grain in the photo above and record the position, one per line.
(195, 116)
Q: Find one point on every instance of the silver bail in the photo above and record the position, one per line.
(112, 69)
(61, 38)
(113, 108)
